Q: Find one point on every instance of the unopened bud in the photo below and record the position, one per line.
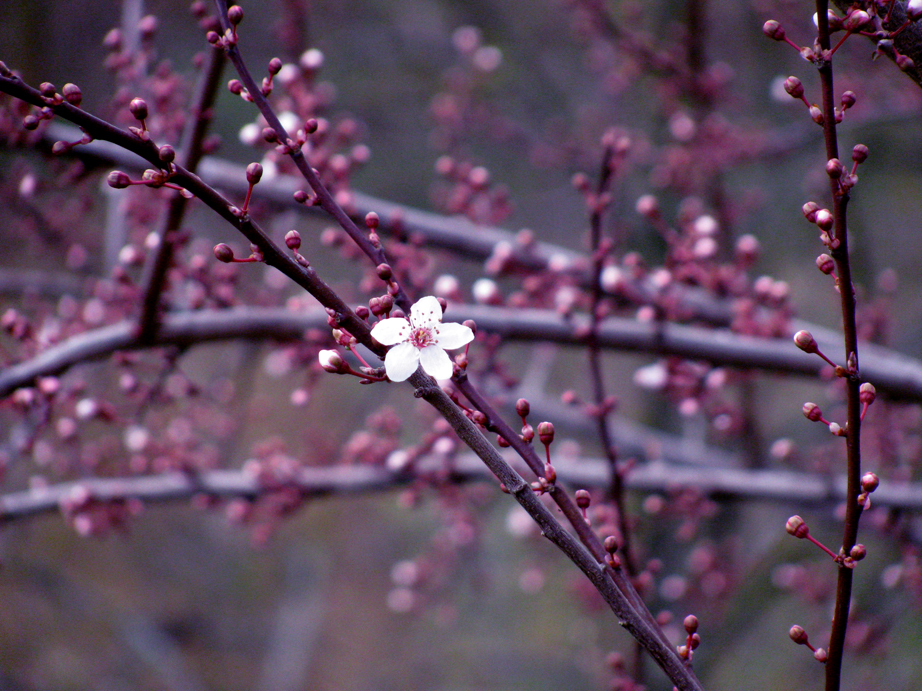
(138, 108)
(522, 408)
(805, 341)
(235, 14)
(798, 635)
(810, 210)
(816, 114)
(550, 474)
(118, 180)
(848, 99)
(855, 20)
(293, 239)
(223, 253)
(794, 87)
(869, 482)
(72, 94)
(820, 654)
(812, 412)
(546, 432)
(834, 168)
(331, 361)
(824, 220)
(611, 544)
(254, 173)
(859, 153)
(797, 527)
(858, 552)
(773, 30)
(691, 623)
(583, 499)
(826, 264)
(867, 393)
(904, 62)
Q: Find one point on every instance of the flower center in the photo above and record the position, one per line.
(422, 337)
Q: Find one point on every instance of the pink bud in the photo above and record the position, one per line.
(773, 30)
(797, 527)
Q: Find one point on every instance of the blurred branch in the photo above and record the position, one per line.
(893, 374)
(776, 486)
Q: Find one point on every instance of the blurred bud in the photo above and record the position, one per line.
(223, 253)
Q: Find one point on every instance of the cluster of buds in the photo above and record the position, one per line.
(234, 16)
(293, 242)
(813, 413)
(692, 640)
(869, 482)
(799, 636)
(797, 527)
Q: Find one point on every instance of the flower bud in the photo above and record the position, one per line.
(691, 623)
(293, 239)
(858, 552)
(546, 432)
(805, 341)
(138, 108)
(794, 87)
(550, 474)
(869, 482)
(914, 10)
(904, 62)
(372, 220)
(235, 14)
(848, 99)
(528, 433)
(826, 264)
(72, 94)
(275, 66)
(773, 30)
(867, 393)
(824, 220)
(384, 271)
(860, 153)
(836, 429)
(797, 527)
(810, 210)
(331, 361)
(820, 654)
(254, 173)
(834, 168)
(816, 114)
(855, 20)
(798, 635)
(118, 180)
(583, 499)
(611, 544)
(522, 408)
(223, 253)
(47, 89)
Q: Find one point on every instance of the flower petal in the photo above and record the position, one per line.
(401, 361)
(426, 313)
(391, 331)
(435, 362)
(450, 336)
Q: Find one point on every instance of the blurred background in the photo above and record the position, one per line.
(450, 590)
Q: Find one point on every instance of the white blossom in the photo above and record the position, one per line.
(421, 340)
